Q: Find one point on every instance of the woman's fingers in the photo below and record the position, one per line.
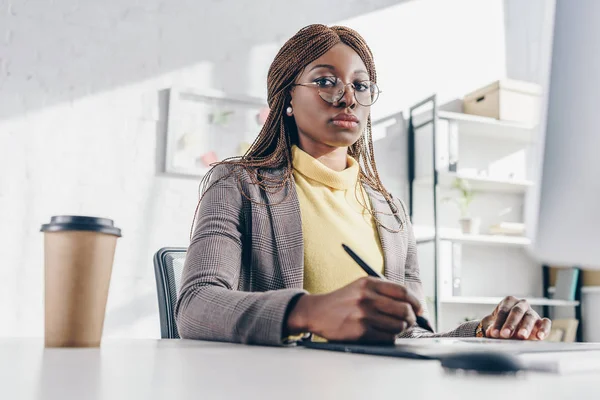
(504, 309)
(387, 324)
(375, 336)
(515, 316)
(395, 309)
(541, 329)
(526, 325)
(397, 292)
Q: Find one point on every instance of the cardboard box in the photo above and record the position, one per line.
(506, 100)
(591, 278)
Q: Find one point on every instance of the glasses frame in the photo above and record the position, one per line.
(345, 85)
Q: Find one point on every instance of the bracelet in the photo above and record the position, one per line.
(479, 332)
(292, 339)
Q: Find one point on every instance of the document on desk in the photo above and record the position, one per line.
(450, 345)
(565, 363)
(561, 358)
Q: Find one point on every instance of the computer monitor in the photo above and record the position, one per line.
(563, 214)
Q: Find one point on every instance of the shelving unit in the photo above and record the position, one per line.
(440, 174)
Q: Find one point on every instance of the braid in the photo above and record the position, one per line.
(272, 146)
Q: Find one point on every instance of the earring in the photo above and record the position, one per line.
(289, 111)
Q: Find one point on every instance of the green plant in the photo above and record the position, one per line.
(464, 199)
(220, 117)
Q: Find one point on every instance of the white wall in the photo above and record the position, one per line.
(529, 25)
(82, 114)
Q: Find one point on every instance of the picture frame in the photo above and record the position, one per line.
(204, 127)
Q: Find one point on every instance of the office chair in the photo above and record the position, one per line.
(168, 266)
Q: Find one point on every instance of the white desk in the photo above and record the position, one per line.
(181, 369)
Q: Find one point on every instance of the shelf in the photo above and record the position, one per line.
(474, 125)
(496, 240)
(481, 184)
(584, 289)
(540, 301)
(424, 234)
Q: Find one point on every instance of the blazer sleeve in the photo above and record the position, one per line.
(209, 306)
(413, 282)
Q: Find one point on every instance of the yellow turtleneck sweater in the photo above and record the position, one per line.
(332, 215)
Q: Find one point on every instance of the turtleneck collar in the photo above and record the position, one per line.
(312, 168)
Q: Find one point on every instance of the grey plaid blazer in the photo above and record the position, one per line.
(245, 263)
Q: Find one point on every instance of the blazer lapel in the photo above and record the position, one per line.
(393, 244)
(286, 225)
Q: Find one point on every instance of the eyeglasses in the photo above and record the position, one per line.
(332, 90)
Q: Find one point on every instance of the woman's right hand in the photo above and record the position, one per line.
(367, 310)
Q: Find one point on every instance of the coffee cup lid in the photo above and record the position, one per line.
(80, 223)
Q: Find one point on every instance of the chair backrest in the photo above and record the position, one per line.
(168, 267)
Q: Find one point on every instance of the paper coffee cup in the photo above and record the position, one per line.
(78, 258)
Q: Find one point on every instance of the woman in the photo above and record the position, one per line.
(265, 263)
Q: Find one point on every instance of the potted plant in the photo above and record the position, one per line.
(468, 224)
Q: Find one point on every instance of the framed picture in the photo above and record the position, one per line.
(209, 126)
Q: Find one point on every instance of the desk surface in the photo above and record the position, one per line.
(182, 369)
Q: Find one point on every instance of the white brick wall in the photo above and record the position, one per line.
(81, 118)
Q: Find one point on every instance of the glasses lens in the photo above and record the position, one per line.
(369, 95)
(332, 94)
(365, 92)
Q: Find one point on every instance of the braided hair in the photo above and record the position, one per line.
(273, 146)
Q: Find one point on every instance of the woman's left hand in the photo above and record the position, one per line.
(515, 319)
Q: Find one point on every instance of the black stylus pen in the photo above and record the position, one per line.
(422, 322)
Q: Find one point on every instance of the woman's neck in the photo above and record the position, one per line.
(332, 157)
